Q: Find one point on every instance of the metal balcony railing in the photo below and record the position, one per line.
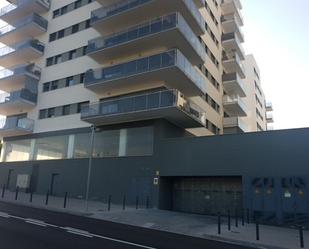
(21, 3)
(22, 45)
(14, 123)
(20, 70)
(23, 94)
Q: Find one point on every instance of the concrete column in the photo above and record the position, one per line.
(123, 137)
(32, 150)
(70, 151)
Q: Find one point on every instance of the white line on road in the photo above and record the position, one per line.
(4, 215)
(81, 234)
(36, 223)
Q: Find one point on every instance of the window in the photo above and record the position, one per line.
(87, 24)
(43, 114)
(58, 59)
(78, 4)
(81, 105)
(64, 10)
(60, 34)
(69, 81)
(54, 85)
(46, 87)
(51, 112)
(56, 13)
(75, 28)
(49, 61)
(72, 54)
(66, 110)
(82, 78)
(52, 37)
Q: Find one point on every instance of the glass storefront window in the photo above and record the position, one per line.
(106, 144)
(51, 148)
(139, 141)
(82, 145)
(17, 151)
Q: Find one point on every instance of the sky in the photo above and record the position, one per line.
(277, 33)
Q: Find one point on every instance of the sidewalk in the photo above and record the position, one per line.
(187, 224)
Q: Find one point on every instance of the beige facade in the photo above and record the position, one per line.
(70, 64)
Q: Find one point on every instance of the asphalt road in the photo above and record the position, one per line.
(27, 227)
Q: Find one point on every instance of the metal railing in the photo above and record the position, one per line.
(22, 45)
(144, 65)
(19, 70)
(143, 102)
(12, 123)
(23, 94)
(21, 3)
(148, 28)
(117, 8)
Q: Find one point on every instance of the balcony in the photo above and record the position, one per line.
(170, 68)
(167, 31)
(22, 8)
(232, 26)
(112, 18)
(230, 6)
(17, 78)
(269, 118)
(269, 107)
(15, 126)
(31, 26)
(235, 122)
(232, 44)
(233, 85)
(17, 102)
(21, 53)
(167, 104)
(234, 106)
(233, 64)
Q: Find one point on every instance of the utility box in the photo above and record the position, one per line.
(23, 181)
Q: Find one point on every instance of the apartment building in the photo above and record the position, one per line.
(69, 65)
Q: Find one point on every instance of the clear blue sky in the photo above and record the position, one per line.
(277, 33)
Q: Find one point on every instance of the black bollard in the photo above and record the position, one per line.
(65, 200)
(229, 220)
(147, 202)
(219, 223)
(31, 196)
(16, 193)
(257, 230)
(301, 237)
(3, 191)
(124, 203)
(47, 197)
(136, 203)
(248, 216)
(109, 203)
(243, 217)
(236, 219)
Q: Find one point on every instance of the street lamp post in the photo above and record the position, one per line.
(90, 166)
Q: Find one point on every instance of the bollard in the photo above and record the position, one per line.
(47, 197)
(248, 216)
(136, 203)
(16, 193)
(219, 223)
(147, 202)
(124, 203)
(109, 203)
(229, 220)
(65, 200)
(301, 237)
(257, 230)
(236, 219)
(3, 191)
(31, 196)
(243, 217)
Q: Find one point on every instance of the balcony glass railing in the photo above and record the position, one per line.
(147, 29)
(228, 100)
(20, 70)
(21, 3)
(23, 94)
(143, 102)
(12, 123)
(237, 60)
(144, 65)
(34, 18)
(22, 45)
(117, 8)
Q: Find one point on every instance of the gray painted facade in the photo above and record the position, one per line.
(272, 168)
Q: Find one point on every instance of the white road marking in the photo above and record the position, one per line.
(124, 242)
(88, 235)
(4, 215)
